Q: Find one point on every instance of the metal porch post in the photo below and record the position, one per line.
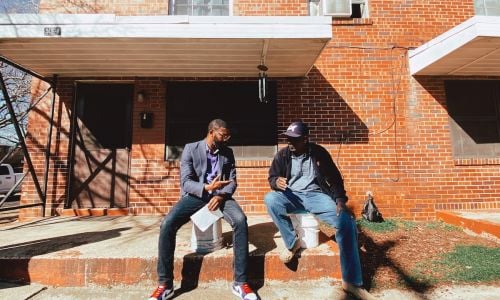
(22, 141)
(49, 142)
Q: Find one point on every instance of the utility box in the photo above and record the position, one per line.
(146, 119)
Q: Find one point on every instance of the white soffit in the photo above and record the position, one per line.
(469, 49)
(165, 46)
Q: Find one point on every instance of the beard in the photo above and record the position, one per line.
(219, 145)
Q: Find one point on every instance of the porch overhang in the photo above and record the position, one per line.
(162, 46)
(469, 49)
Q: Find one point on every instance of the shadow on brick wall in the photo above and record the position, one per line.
(315, 101)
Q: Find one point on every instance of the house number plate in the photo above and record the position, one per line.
(52, 31)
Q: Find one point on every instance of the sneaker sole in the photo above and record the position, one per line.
(168, 296)
(235, 293)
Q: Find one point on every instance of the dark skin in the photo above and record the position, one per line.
(215, 136)
(298, 146)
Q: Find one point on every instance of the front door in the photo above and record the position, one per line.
(102, 140)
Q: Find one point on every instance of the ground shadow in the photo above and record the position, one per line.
(10, 215)
(15, 258)
(191, 267)
(261, 236)
(374, 256)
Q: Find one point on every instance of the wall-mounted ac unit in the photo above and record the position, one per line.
(337, 8)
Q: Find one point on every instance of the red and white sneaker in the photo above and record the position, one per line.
(162, 293)
(244, 291)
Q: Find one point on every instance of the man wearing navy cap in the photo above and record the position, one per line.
(304, 178)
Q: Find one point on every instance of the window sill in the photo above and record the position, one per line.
(351, 21)
(476, 161)
(243, 163)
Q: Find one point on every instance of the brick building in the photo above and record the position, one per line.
(404, 94)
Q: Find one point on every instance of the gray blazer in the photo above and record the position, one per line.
(194, 167)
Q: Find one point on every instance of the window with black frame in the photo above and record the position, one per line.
(192, 105)
(474, 109)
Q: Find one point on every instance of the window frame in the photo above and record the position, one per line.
(171, 8)
(482, 9)
(320, 4)
(245, 145)
(465, 142)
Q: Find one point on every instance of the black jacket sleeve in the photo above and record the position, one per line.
(332, 176)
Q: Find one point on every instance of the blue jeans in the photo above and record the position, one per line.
(180, 215)
(280, 204)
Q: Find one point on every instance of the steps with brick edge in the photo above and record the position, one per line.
(122, 250)
(481, 222)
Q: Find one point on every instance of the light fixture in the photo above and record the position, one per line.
(262, 83)
(141, 96)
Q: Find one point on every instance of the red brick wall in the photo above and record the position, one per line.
(122, 7)
(271, 8)
(387, 130)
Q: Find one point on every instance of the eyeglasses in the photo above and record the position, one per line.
(225, 137)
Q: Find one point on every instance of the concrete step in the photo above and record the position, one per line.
(107, 251)
(485, 223)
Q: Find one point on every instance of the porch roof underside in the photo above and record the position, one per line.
(163, 46)
(469, 49)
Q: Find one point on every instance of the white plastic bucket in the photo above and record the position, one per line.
(208, 240)
(307, 228)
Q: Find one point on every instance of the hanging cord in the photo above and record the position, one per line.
(396, 84)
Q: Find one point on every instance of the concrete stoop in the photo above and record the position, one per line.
(485, 223)
(108, 251)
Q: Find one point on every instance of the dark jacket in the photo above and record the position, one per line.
(328, 175)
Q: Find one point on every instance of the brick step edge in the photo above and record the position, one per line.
(477, 226)
(95, 212)
(191, 269)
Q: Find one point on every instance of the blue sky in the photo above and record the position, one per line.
(19, 6)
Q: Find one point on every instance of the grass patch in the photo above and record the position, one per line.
(387, 225)
(472, 263)
(464, 264)
(441, 225)
(407, 225)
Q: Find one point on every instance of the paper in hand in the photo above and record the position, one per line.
(205, 217)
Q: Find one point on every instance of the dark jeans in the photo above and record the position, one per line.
(180, 215)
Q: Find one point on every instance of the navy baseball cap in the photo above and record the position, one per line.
(297, 129)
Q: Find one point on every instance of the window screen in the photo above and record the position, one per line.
(192, 105)
(474, 109)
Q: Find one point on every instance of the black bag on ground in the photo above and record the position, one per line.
(370, 211)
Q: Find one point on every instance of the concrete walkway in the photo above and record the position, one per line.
(115, 257)
(107, 251)
(317, 290)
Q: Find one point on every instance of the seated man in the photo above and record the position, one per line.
(304, 177)
(208, 176)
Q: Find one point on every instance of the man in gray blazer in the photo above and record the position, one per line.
(208, 176)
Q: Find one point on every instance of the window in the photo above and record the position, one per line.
(4, 170)
(474, 109)
(192, 105)
(339, 8)
(201, 7)
(487, 7)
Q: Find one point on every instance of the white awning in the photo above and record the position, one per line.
(471, 48)
(164, 46)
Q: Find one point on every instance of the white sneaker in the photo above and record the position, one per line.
(162, 293)
(244, 291)
(287, 255)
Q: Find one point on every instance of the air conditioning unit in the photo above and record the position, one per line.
(337, 8)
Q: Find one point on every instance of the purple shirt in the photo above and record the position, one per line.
(212, 165)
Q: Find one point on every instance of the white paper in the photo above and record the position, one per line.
(205, 217)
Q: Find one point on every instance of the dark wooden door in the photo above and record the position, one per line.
(102, 141)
